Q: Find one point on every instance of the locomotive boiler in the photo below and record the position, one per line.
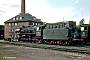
(26, 34)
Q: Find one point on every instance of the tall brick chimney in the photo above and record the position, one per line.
(22, 6)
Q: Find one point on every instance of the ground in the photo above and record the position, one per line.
(11, 52)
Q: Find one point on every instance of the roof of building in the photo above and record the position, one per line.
(25, 18)
(85, 25)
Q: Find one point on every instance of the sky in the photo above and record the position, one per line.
(50, 11)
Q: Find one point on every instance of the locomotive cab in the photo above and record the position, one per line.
(39, 33)
(75, 36)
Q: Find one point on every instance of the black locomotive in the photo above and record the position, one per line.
(1, 34)
(63, 33)
(26, 34)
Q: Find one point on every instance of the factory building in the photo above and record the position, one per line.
(16, 22)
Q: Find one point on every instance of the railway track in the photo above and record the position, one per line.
(77, 49)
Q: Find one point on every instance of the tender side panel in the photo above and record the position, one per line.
(48, 34)
(55, 34)
(60, 34)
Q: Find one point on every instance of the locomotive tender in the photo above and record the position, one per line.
(60, 33)
(64, 33)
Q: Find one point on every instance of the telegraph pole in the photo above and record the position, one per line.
(82, 11)
(89, 20)
(82, 14)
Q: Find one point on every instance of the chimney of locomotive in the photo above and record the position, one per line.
(22, 6)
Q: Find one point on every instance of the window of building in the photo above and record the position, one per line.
(20, 18)
(17, 18)
(9, 31)
(18, 23)
(14, 18)
(12, 30)
(15, 24)
(10, 35)
(22, 23)
(34, 18)
(9, 24)
(12, 24)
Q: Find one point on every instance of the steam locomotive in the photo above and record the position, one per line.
(85, 32)
(62, 33)
(26, 34)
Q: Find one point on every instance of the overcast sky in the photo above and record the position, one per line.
(47, 10)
